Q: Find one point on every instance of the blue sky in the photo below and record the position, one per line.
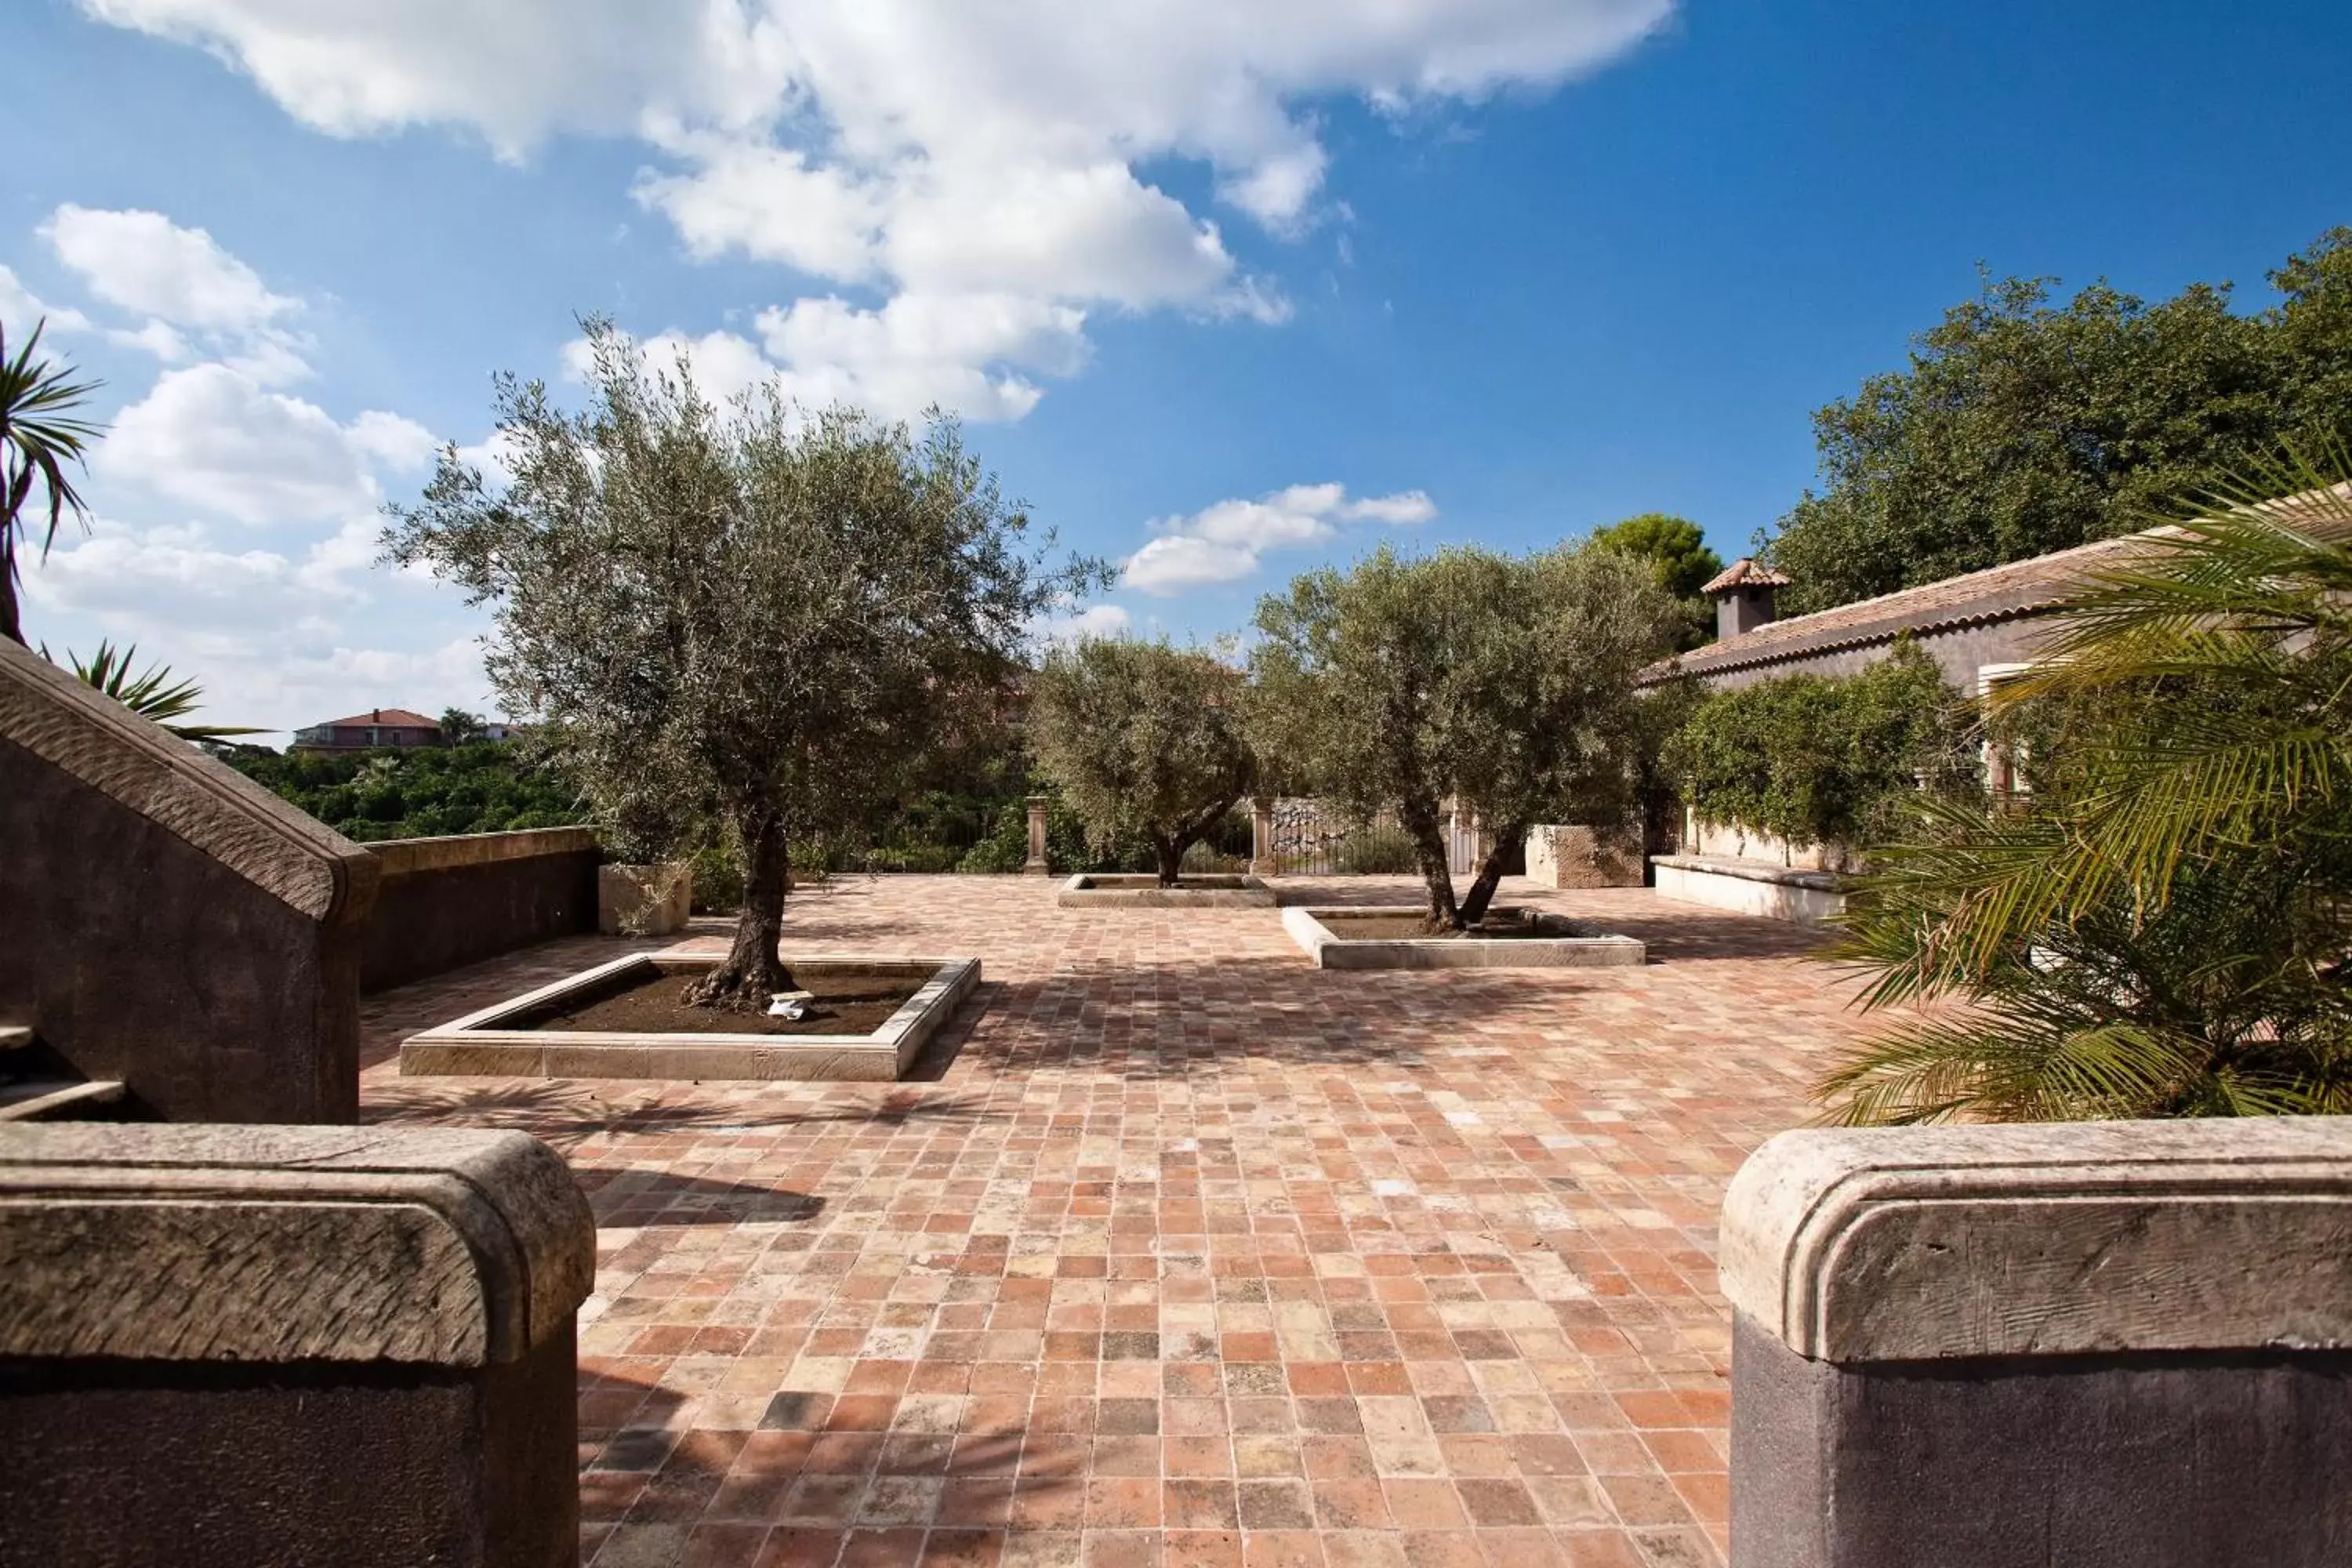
(1224, 290)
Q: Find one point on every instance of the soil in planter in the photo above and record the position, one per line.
(1393, 928)
(844, 1005)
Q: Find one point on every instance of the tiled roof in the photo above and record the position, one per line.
(1974, 598)
(1745, 573)
(398, 717)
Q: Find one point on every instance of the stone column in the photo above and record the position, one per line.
(1261, 861)
(2106, 1344)
(1036, 865)
(260, 1347)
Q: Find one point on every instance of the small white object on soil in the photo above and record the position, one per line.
(790, 1006)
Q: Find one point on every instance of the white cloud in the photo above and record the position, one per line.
(212, 437)
(399, 443)
(1175, 562)
(268, 635)
(930, 150)
(971, 353)
(150, 266)
(21, 310)
(1223, 542)
(1094, 621)
(185, 285)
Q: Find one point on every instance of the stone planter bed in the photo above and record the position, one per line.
(1122, 891)
(542, 1034)
(1545, 941)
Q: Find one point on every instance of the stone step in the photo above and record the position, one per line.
(14, 1036)
(55, 1099)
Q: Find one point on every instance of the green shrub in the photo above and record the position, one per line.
(1815, 759)
(480, 787)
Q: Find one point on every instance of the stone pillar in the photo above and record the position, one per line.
(260, 1347)
(2105, 1344)
(1036, 865)
(1262, 859)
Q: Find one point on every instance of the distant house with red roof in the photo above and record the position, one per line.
(361, 731)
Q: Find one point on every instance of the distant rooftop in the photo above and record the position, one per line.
(400, 717)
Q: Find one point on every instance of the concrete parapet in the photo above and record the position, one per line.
(446, 903)
(2104, 1343)
(256, 1346)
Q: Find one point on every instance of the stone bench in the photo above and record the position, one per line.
(1751, 886)
(249, 1347)
(2106, 1345)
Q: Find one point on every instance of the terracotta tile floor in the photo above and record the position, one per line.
(1182, 1251)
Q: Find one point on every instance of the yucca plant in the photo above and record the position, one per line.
(41, 437)
(2162, 926)
(151, 694)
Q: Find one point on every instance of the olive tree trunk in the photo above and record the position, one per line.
(753, 971)
(1490, 873)
(1167, 847)
(1428, 835)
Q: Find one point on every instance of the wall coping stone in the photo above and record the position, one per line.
(440, 1245)
(406, 857)
(1754, 871)
(286, 853)
(1908, 1244)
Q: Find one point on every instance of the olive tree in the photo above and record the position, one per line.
(1142, 738)
(749, 615)
(1502, 684)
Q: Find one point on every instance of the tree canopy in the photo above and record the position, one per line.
(1677, 551)
(2023, 426)
(1503, 684)
(1142, 738)
(756, 614)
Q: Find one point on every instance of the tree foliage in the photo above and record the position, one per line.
(751, 615)
(2021, 425)
(1816, 759)
(458, 726)
(2161, 926)
(1677, 551)
(415, 792)
(1143, 738)
(42, 436)
(1503, 684)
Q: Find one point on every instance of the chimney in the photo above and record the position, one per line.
(1743, 597)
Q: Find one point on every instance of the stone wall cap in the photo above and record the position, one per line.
(441, 1245)
(287, 854)
(1754, 871)
(1906, 1244)
(406, 857)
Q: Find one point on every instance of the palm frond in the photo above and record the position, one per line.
(40, 432)
(2164, 927)
(151, 694)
